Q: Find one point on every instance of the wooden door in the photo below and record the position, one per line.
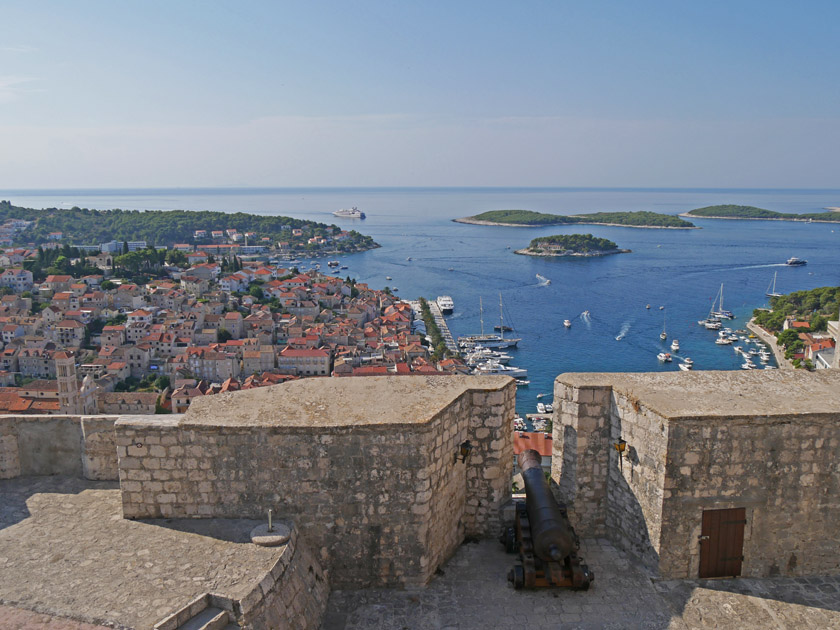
(722, 543)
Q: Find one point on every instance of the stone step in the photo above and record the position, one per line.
(209, 619)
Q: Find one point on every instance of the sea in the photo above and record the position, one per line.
(677, 273)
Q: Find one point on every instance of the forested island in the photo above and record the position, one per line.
(83, 226)
(751, 212)
(571, 245)
(529, 218)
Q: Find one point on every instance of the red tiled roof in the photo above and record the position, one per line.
(523, 440)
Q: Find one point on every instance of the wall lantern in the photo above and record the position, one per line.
(463, 451)
(621, 447)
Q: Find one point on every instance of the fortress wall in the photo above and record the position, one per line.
(79, 446)
(381, 504)
(783, 470)
(765, 442)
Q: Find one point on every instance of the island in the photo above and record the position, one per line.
(211, 231)
(529, 218)
(567, 245)
(751, 212)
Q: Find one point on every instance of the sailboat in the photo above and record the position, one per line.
(663, 335)
(721, 313)
(491, 340)
(771, 290)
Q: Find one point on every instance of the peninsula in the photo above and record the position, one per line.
(247, 233)
(529, 218)
(567, 245)
(751, 212)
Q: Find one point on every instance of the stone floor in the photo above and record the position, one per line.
(472, 593)
(66, 551)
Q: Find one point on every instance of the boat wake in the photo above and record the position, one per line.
(543, 281)
(625, 328)
(586, 319)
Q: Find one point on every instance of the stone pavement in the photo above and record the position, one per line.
(472, 593)
(19, 619)
(66, 551)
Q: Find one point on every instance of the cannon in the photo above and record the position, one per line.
(546, 542)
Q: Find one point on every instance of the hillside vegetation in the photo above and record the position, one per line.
(83, 226)
(573, 243)
(751, 212)
(531, 218)
(816, 306)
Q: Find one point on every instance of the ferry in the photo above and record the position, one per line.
(445, 304)
(352, 213)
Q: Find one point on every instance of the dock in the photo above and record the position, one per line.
(451, 345)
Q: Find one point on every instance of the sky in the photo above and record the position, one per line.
(103, 94)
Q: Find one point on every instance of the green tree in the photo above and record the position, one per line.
(224, 335)
(256, 291)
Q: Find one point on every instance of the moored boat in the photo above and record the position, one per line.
(445, 304)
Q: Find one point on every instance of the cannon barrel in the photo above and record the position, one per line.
(551, 532)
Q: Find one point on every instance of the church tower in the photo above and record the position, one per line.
(68, 388)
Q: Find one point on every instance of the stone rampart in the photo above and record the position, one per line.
(79, 446)
(765, 442)
(366, 467)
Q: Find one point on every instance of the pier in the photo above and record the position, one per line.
(440, 321)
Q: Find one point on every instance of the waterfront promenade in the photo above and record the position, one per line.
(448, 339)
(770, 340)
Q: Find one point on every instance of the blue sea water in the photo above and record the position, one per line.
(681, 270)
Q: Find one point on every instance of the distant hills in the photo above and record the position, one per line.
(529, 218)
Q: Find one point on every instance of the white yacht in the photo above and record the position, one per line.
(445, 304)
(540, 407)
(675, 346)
(494, 367)
(352, 213)
(685, 367)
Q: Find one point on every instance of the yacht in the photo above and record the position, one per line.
(388, 278)
(333, 263)
(491, 340)
(723, 341)
(494, 367)
(352, 213)
(549, 408)
(688, 361)
(665, 357)
(522, 382)
(675, 346)
(795, 262)
(685, 367)
(445, 304)
(540, 407)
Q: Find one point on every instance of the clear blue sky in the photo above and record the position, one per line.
(555, 93)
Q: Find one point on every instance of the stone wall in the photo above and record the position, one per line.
(365, 467)
(293, 594)
(58, 445)
(700, 441)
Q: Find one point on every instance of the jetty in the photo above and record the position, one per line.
(440, 321)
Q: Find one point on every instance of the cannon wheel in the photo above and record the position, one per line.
(509, 540)
(516, 576)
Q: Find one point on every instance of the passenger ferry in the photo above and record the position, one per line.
(352, 213)
(445, 304)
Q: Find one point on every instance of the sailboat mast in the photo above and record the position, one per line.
(501, 318)
(720, 305)
(481, 314)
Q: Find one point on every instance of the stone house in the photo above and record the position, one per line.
(304, 362)
(69, 333)
(128, 403)
(36, 362)
(18, 280)
(257, 361)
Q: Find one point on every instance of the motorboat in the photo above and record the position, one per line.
(549, 408)
(665, 357)
(688, 361)
(522, 382)
(675, 346)
(518, 424)
(567, 323)
(685, 367)
(793, 261)
(540, 407)
(494, 367)
(723, 341)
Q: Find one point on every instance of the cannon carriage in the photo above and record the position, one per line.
(543, 537)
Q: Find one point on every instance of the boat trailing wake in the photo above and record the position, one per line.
(625, 328)
(543, 281)
(586, 318)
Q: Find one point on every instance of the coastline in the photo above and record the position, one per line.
(528, 252)
(694, 216)
(770, 340)
(469, 221)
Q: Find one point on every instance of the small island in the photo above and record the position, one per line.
(529, 218)
(751, 212)
(567, 245)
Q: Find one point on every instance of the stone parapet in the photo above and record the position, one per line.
(78, 446)
(764, 442)
(366, 467)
